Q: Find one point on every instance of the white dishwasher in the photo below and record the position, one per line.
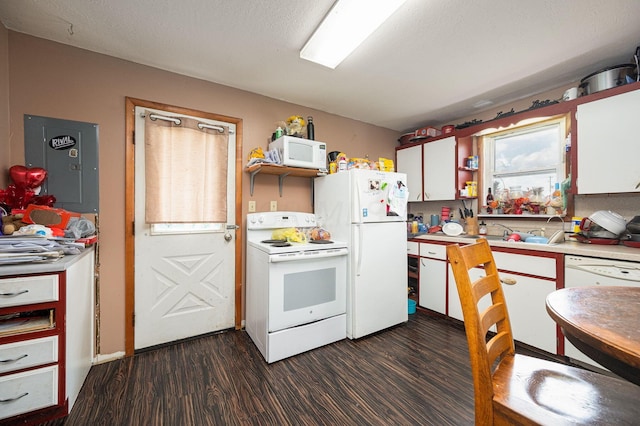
(589, 271)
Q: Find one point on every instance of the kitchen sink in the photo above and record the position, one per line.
(488, 237)
(555, 239)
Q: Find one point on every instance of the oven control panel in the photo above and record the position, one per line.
(272, 220)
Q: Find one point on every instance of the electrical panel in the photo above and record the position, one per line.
(68, 151)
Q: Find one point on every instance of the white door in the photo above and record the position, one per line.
(377, 294)
(379, 196)
(409, 161)
(439, 159)
(184, 275)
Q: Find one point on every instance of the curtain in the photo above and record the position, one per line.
(185, 172)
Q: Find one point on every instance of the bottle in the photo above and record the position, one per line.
(489, 200)
(310, 129)
(483, 228)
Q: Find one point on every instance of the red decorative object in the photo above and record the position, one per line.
(27, 178)
(20, 194)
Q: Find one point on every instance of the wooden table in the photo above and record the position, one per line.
(602, 322)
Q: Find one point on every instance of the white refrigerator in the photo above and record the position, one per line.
(367, 209)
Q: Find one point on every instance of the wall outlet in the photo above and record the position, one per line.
(252, 206)
(274, 206)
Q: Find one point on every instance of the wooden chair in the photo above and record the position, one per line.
(510, 388)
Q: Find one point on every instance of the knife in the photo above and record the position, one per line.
(461, 215)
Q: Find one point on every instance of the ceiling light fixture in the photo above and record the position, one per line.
(345, 27)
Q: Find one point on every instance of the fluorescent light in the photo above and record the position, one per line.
(346, 26)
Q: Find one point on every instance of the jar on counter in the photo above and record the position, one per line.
(515, 192)
(482, 230)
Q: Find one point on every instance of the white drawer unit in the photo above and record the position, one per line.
(28, 353)
(532, 265)
(434, 251)
(28, 290)
(28, 391)
(412, 248)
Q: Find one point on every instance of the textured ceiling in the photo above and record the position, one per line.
(433, 61)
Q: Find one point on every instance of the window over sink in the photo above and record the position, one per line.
(525, 167)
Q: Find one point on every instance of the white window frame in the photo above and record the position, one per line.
(488, 151)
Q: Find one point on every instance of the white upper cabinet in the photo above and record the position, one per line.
(409, 161)
(439, 159)
(609, 145)
(430, 169)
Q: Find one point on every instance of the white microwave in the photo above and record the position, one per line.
(299, 152)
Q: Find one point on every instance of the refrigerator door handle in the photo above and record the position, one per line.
(358, 248)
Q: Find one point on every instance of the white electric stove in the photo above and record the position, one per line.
(296, 291)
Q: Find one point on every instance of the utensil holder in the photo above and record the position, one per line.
(472, 226)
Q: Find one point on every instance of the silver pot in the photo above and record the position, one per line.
(608, 78)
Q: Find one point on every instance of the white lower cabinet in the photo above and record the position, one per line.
(433, 277)
(527, 311)
(28, 391)
(455, 308)
(525, 298)
(45, 358)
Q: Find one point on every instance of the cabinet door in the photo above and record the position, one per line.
(608, 148)
(439, 159)
(433, 284)
(527, 311)
(409, 161)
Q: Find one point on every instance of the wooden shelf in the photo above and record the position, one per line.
(280, 171)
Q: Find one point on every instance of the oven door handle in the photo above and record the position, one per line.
(309, 255)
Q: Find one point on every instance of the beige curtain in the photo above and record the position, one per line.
(185, 172)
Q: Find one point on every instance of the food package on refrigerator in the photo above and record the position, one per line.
(397, 198)
(385, 165)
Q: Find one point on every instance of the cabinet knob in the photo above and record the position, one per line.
(508, 281)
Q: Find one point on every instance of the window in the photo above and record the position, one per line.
(523, 166)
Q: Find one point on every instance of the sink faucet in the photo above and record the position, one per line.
(507, 229)
(559, 217)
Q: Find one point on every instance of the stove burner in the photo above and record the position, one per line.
(280, 243)
(320, 242)
(273, 241)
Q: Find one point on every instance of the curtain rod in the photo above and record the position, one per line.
(178, 122)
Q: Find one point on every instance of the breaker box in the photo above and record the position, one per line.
(68, 151)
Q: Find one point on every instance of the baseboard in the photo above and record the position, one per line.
(102, 358)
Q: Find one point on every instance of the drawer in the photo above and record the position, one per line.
(412, 248)
(434, 251)
(28, 391)
(28, 353)
(28, 290)
(532, 265)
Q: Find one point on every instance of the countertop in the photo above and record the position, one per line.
(44, 267)
(615, 252)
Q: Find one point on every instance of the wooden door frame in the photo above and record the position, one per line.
(129, 303)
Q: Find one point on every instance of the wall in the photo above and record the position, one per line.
(55, 80)
(5, 147)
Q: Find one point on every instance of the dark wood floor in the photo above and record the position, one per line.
(413, 374)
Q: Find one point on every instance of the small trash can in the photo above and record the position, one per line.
(412, 306)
